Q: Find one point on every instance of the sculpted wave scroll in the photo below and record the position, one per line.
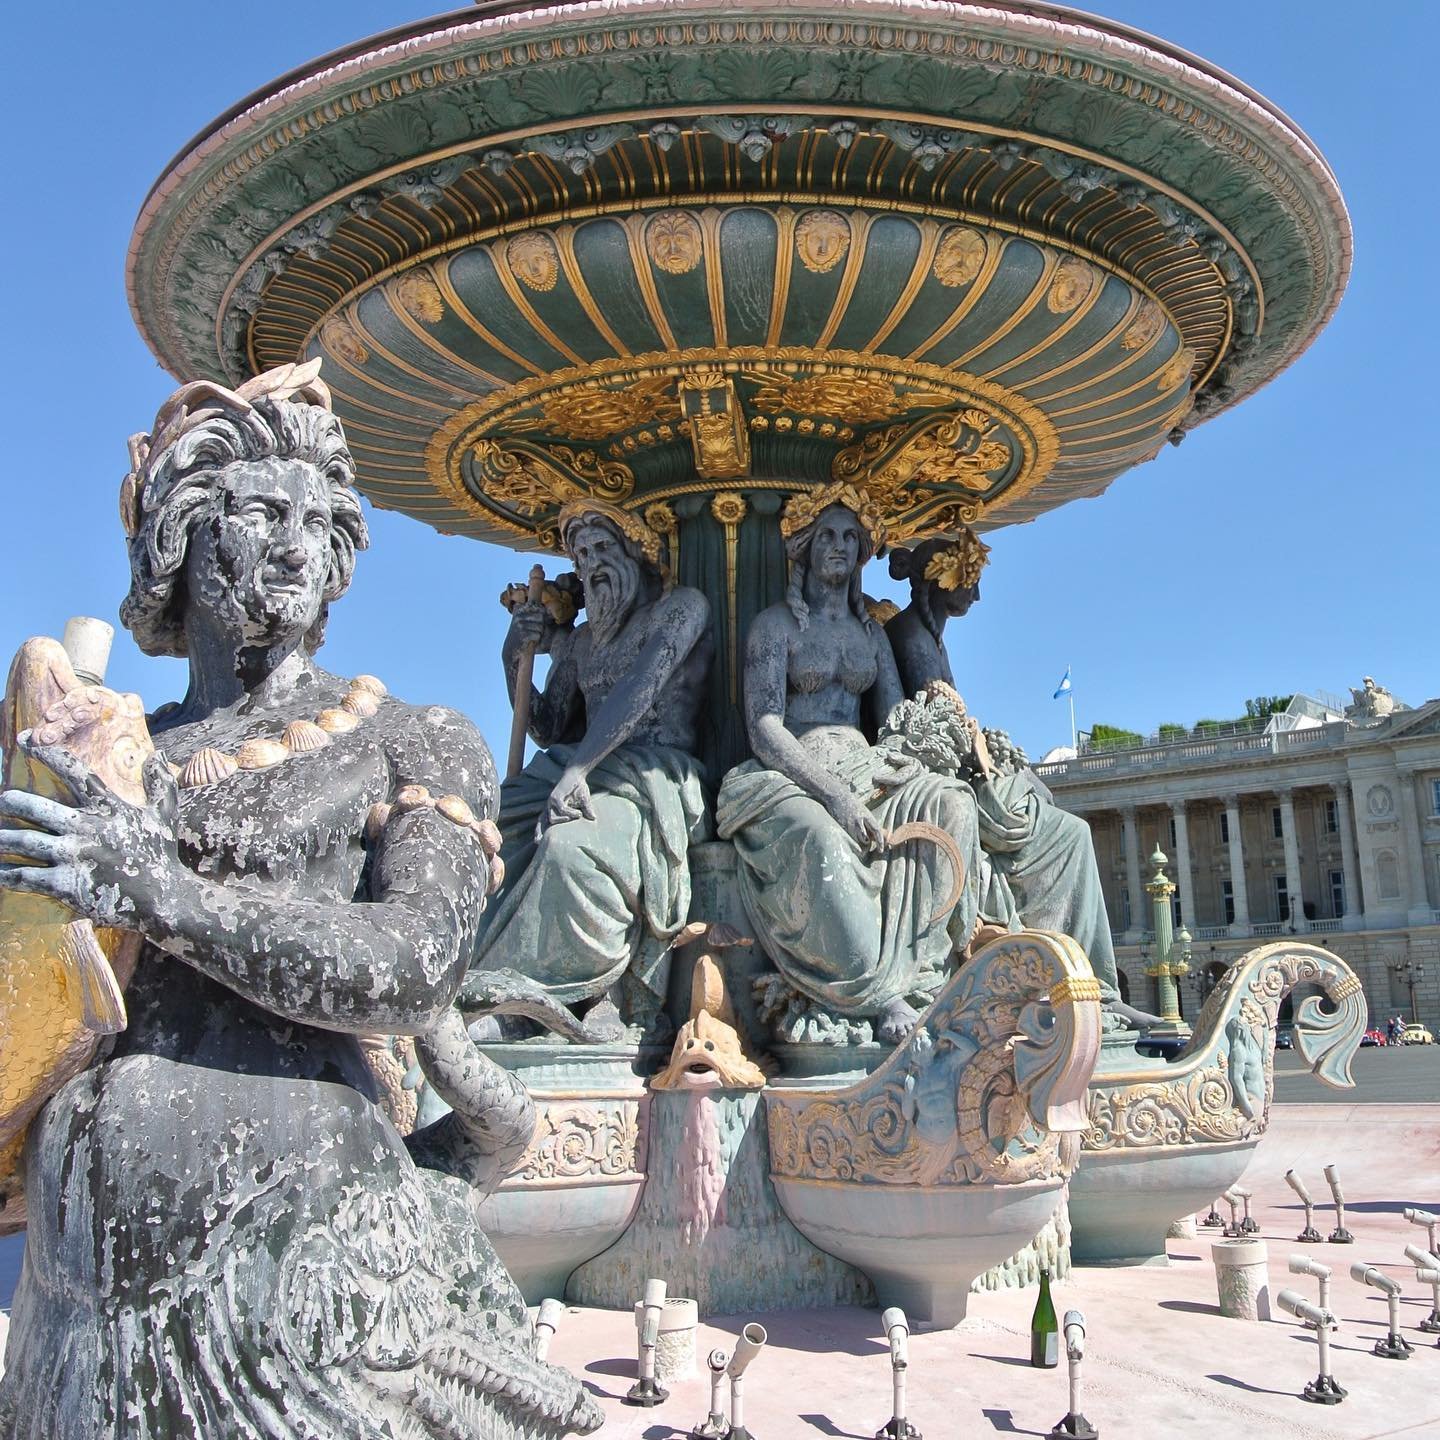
(986, 1091)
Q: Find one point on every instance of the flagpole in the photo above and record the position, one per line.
(1074, 744)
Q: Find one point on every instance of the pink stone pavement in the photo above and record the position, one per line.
(1161, 1361)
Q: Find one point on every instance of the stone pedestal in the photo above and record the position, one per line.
(1242, 1277)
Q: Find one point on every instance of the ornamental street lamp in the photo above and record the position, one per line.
(1413, 973)
(1172, 952)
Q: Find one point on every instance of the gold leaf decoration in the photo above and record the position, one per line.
(673, 242)
(533, 259)
(1144, 328)
(1177, 371)
(960, 255)
(1073, 283)
(416, 293)
(595, 412)
(859, 399)
(822, 239)
(661, 519)
(338, 336)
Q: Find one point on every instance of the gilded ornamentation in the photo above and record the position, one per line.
(673, 242)
(532, 257)
(728, 507)
(595, 412)
(822, 239)
(1177, 370)
(339, 338)
(1220, 1089)
(661, 519)
(1073, 282)
(531, 479)
(1144, 328)
(958, 566)
(857, 399)
(592, 1141)
(959, 256)
(991, 1081)
(416, 293)
(803, 509)
(631, 526)
(718, 434)
(882, 612)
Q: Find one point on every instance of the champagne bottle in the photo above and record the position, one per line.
(1044, 1331)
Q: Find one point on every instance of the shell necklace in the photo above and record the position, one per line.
(210, 766)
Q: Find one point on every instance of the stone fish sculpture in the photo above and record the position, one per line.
(61, 982)
(225, 1234)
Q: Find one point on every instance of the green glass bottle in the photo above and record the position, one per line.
(1044, 1331)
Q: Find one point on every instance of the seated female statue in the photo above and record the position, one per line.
(1044, 855)
(226, 1236)
(849, 922)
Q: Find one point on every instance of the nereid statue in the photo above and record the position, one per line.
(226, 1235)
(861, 928)
(1042, 855)
(597, 826)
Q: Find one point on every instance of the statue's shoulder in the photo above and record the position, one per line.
(684, 603)
(441, 749)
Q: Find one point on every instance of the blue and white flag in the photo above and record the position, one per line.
(1064, 687)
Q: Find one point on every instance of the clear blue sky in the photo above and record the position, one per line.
(1288, 545)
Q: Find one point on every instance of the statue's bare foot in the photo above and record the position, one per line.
(603, 1025)
(1117, 1015)
(895, 1022)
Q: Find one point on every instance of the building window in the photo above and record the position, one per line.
(1435, 797)
(1277, 822)
(1332, 818)
(1224, 827)
(1175, 918)
(1174, 843)
(1337, 894)
(1282, 897)
(1227, 900)
(1124, 907)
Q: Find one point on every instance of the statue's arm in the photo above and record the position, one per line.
(680, 622)
(553, 711)
(887, 692)
(393, 964)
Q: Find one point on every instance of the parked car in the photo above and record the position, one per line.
(1417, 1034)
(1372, 1037)
(1284, 1037)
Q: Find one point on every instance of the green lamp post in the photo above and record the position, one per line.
(1172, 952)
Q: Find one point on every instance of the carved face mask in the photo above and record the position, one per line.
(261, 564)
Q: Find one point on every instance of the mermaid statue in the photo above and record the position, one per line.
(226, 1236)
(1042, 855)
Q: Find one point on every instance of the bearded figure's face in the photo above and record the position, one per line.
(610, 574)
(835, 546)
(260, 562)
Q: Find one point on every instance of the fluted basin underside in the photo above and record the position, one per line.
(986, 257)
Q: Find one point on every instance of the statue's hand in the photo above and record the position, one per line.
(108, 860)
(530, 625)
(857, 822)
(569, 800)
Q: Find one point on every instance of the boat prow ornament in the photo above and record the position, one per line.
(1164, 1138)
(952, 1155)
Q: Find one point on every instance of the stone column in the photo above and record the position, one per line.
(1348, 867)
(1292, 863)
(1241, 926)
(1413, 839)
(1133, 884)
(1188, 918)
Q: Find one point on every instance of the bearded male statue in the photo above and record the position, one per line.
(597, 826)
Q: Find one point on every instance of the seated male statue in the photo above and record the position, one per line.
(597, 826)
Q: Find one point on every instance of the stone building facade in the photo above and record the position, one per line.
(1329, 828)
